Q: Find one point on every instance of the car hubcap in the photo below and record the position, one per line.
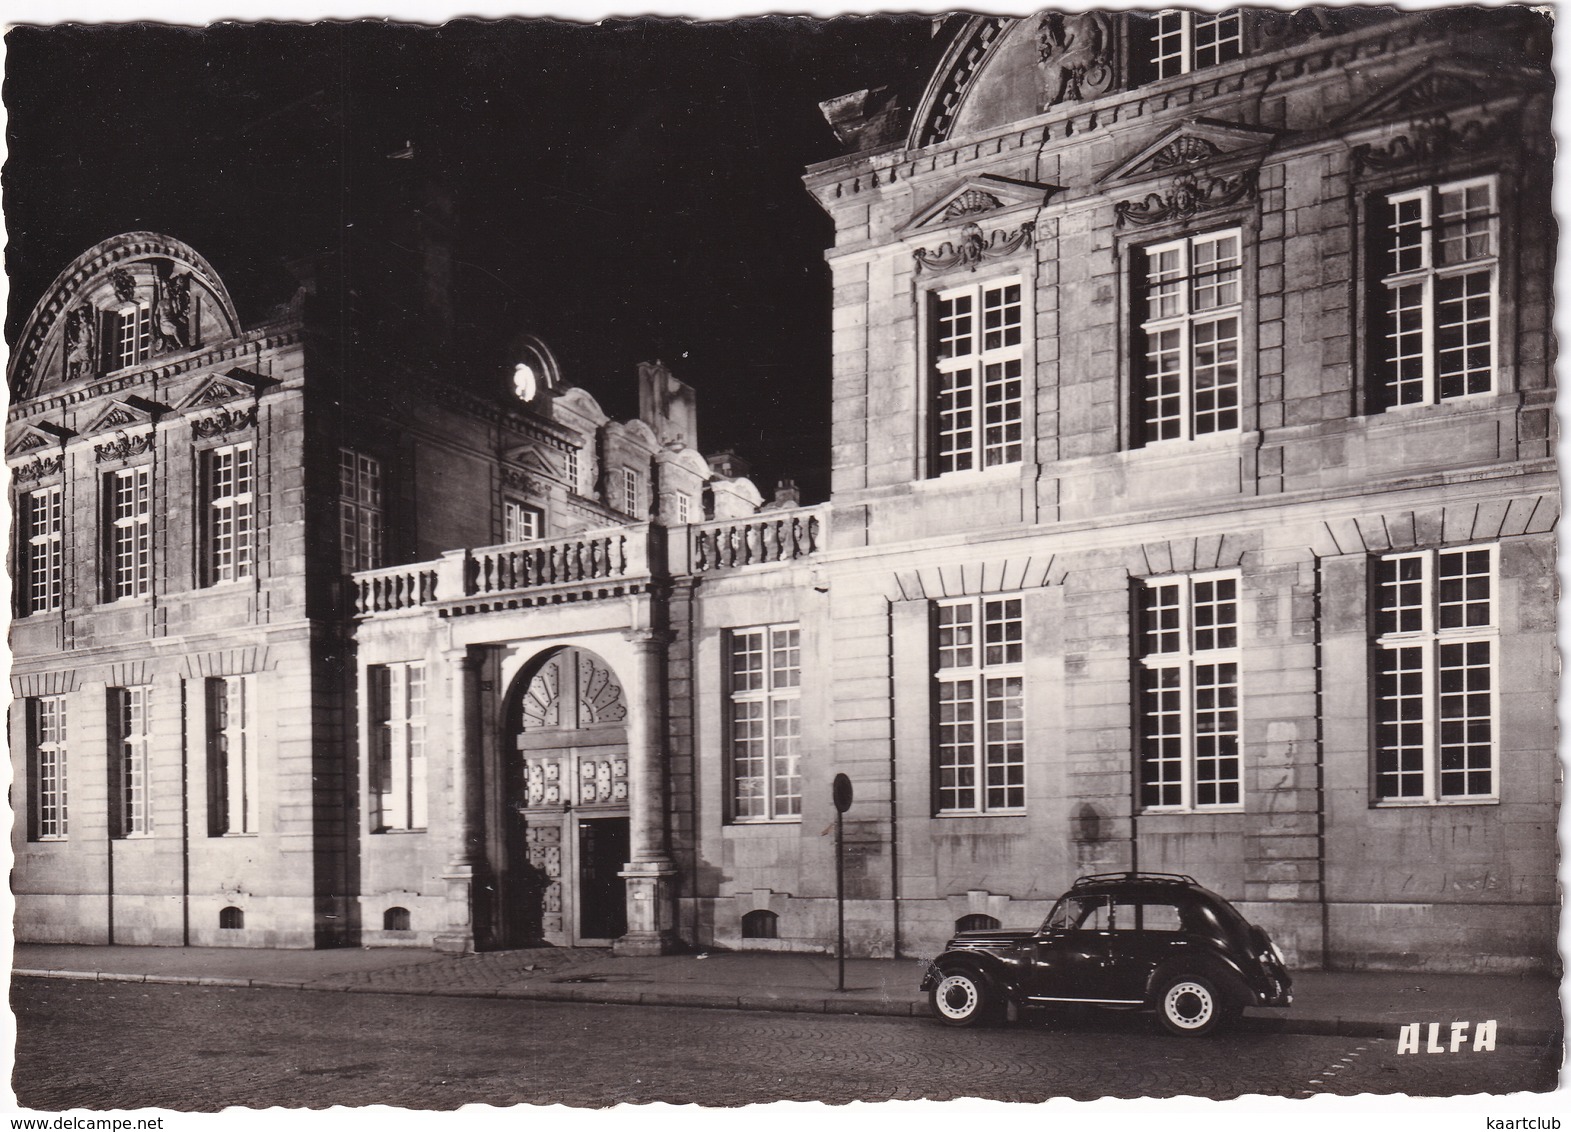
(1188, 1005)
(956, 996)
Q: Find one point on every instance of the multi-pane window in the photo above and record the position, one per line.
(1190, 291)
(521, 523)
(130, 810)
(683, 509)
(43, 513)
(1186, 638)
(764, 669)
(359, 511)
(233, 772)
(979, 700)
(47, 762)
(130, 537)
(129, 340)
(398, 750)
(977, 401)
(1435, 630)
(1435, 296)
(1180, 42)
(570, 468)
(230, 477)
(632, 493)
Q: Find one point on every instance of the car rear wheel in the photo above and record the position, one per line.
(1190, 1005)
(963, 998)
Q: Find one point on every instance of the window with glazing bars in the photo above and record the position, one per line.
(1434, 300)
(1179, 42)
(128, 340)
(1435, 633)
(47, 762)
(1190, 294)
(233, 773)
(359, 511)
(570, 469)
(1186, 637)
(43, 513)
(130, 808)
(632, 493)
(230, 474)
(521, 523)
(979, 701)
(130, 540)
(977, 399)
(398, 747)
(764, 675)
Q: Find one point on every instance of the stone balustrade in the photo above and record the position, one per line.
(778, 536)
(393, 588)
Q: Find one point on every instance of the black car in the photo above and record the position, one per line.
(1126, 941)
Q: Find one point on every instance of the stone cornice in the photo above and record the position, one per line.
(236, 349)
(849, 176)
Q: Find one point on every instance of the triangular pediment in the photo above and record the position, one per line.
(1195, 143)
(220, 388)
(975, 197)
(34, 437)
(530, 459)
(1439, 85)
(125, 412)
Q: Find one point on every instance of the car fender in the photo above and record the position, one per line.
(985, 964)
(1219, 969)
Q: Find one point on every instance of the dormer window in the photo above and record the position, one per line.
(128, 335)
(1175, 42)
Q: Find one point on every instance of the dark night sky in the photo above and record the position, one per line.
(626, 192)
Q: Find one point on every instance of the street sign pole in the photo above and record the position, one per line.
(842, 799)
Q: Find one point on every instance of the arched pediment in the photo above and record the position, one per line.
(176, 300)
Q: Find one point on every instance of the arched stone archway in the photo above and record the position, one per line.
(566, 775)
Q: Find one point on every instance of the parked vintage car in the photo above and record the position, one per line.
(1125, 941)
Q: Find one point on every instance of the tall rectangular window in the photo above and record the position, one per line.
(1434, 634)
(46, 741)
(570, 469)
(979, 701)
(521, 523)
(233, 773)
(129, 538)
(1186, 636)
(359, 511)
(764, 676)
(977, 393)
(43, 513)
(1190, 296)
(398, 750)
(1437, 268)
(229, 476)
(130, 808)
(632, 493)
(1179, 42)
(128, 336)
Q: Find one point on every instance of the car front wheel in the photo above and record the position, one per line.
(1190, 1005)
(962, 998)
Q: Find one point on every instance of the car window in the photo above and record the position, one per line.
(1160, 917)
(1080, 913)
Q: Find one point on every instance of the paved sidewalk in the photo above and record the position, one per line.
(1525, 1008)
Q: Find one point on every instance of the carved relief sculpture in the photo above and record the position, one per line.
(38, 468)
(1431, 140)
(123, 447)
(1187, 197)
(221, 424)
(972, 250)
(124, 284)
(81, 342)
(172, 310)
(1078, 53)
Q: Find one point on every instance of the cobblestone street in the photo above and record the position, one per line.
(97, 1046)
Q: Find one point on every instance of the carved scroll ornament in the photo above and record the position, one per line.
(973, 249)
(221, 424)
(38, 468)
(123, 447)
(1188, 196)
(1432, 140)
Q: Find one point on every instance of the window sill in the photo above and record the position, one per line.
(753, 823)
(1191, 811)
(125, 602)
(1466, 403)
(53, 839)
(1185, 444)
(397, 832)
(148, 836)
(946, 814)
(229, 583)
(973, 477)
(1429, 803)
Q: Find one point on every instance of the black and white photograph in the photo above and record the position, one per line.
(568, 560)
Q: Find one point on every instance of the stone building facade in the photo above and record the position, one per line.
(1193, 510)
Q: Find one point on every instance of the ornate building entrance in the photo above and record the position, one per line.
(567, 781)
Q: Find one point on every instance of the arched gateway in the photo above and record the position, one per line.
(566, 764)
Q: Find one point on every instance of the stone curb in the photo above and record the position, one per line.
(601, 996)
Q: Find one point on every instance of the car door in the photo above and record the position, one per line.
(1070, 959)
(1144, 932)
